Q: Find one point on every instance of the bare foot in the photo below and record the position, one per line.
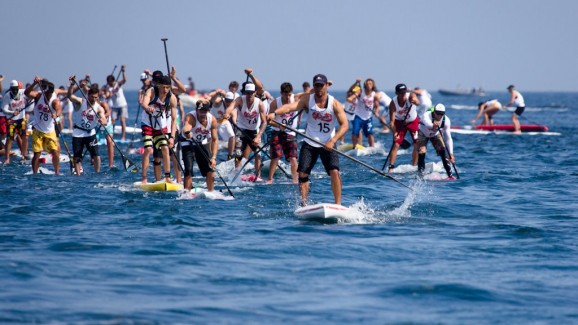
(144, 181)
(168, 180)
(269, 181)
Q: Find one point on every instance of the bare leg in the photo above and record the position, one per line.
(304, 189)
(516, 122)
(336, 185)
(56, 161)
(211, 181)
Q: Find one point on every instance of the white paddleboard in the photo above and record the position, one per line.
(322, 212)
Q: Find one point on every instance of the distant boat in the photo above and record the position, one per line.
(463, 92)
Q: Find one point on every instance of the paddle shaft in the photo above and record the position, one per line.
(124, 159)
(260, 148)
(448, 152)
(344, 155)
(168, 74)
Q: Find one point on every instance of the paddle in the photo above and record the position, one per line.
(213, 169)
(168, 74)
(404, 145)
(128, 164)
(448, 152)
(248, 160)
(58, 131)
(258, 149)
(343, 154)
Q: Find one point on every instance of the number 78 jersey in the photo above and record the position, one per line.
(321, 122)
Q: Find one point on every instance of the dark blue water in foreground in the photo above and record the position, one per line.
(498, 246)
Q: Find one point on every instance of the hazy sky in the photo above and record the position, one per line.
(428, 43)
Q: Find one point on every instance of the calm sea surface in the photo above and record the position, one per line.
(499, 246)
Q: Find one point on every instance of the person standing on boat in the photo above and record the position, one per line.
(201, 141)
(487, 109)
(366, 106)
(117, 101)
(431, 126)
(86, 116)
(46, 110)
(156, 103)
(403, 117)
(14, 109)
(284, 142)
(518, 100)
(326, 121)
(251, 122)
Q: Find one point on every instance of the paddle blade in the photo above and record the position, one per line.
(129, 166)
(405, 144)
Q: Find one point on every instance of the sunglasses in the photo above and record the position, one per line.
(439, 113)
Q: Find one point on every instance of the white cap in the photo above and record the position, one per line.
(440, 108)
(143, 76)
(250, 87)
(229, 96)
(13, 83)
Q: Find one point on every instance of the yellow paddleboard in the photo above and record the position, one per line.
(159, 186)
(349, 146)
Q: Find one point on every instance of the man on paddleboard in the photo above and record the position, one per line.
(487, 109)
(403, 117)
(516, 99)
(86, 116)
(200, 139)
(324, 114)
(46, 110)
(284, 142)
(156, 103)
(366, 103)
(250, 124)
(434, 123)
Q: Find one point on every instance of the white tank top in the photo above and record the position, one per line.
(117, 99)
(16, 103)
(43, 120)
(365, 106)
(519, 99)
(86, 119)
(402, 111)
(286, 118)
(199, 132)
(249, 118)
(321, 122)
(218, 112)
(156, 119)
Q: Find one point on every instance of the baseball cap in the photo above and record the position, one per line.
(440, 109)
(319, 79)
(14, 83)
(203, 106)
(400, 88)
(143, 76)
(229, 96)
(156, 75)
(249, 87)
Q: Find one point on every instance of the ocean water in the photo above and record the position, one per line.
(499, 246)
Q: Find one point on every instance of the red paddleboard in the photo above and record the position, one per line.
(251, 178)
